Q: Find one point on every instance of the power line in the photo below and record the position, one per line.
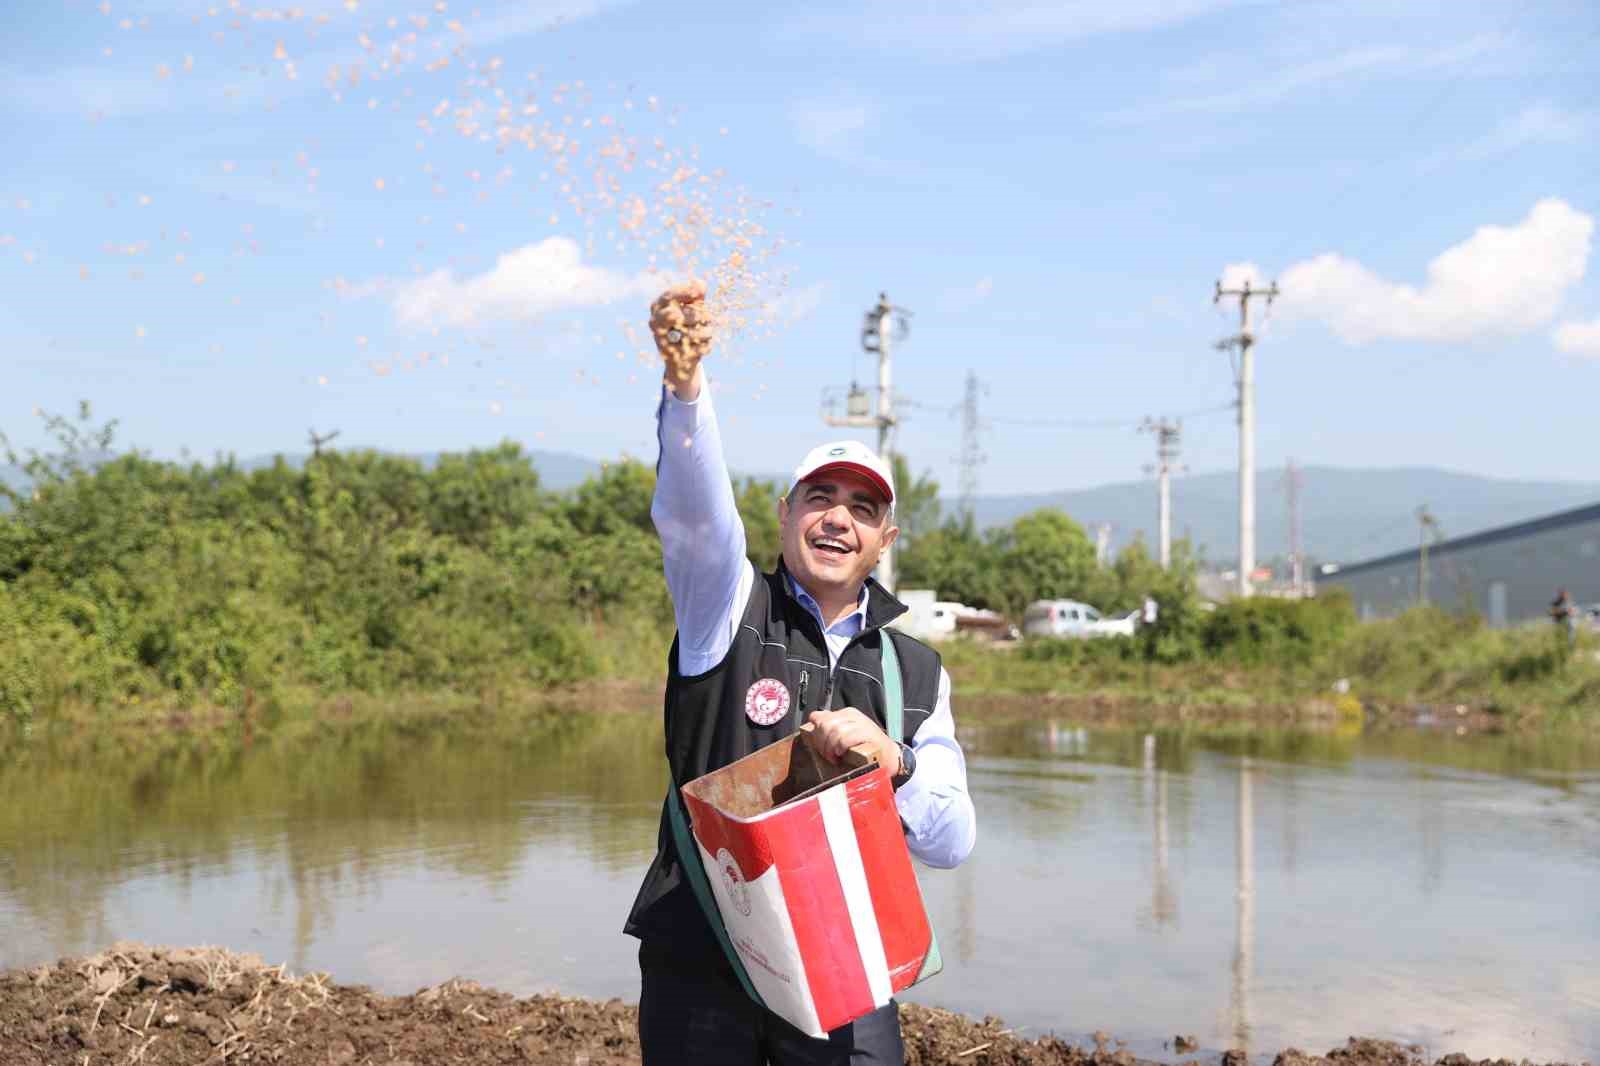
(1101, 423)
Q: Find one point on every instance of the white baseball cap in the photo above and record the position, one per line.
(846, 455)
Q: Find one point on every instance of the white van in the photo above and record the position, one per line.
(1069, 618)
(927, 618)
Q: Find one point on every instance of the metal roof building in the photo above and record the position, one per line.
(1509, 575)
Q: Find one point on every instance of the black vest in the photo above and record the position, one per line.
(707, 726)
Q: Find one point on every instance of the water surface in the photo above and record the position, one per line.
(1254, 891)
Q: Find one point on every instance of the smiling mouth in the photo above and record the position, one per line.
(830, 547)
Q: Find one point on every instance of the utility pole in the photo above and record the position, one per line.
(1427, 525)
(1292, 480)
(881, 322)
(971, 451)
(1244, 341)
(1102, 545)
(319, 439)
(1167, 435)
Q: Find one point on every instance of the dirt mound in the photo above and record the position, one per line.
(166, 1006)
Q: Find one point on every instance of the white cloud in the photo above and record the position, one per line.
(1541, 123)
(987, 29)
(792, 305)
(1502, 280)
(524, 284)
(1578, 338)
(81, 91)
(1269, 87)
(830, 126)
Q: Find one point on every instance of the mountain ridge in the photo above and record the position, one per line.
(1347, 514)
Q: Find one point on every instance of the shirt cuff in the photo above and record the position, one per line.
(684, 418)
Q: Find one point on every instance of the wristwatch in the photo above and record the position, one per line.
(908, 765)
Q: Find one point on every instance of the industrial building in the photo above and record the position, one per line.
(1509, 575)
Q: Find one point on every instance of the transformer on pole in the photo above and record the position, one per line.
(883, 325)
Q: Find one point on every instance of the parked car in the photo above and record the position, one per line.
(986, 625)
(1070, 618)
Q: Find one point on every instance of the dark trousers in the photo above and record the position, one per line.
(697, 1015)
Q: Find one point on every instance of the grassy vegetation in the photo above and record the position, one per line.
(1266, 655)
(160, 596)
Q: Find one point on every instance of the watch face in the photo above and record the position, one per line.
(908, 765)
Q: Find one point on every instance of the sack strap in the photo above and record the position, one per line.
(895, 718)
(893, 691)
(695, 872)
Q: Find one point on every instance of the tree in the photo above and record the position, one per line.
(471, 495)
(1044, 555)
(916, 505)
(956, 562)
(758, 507)
(618, 499)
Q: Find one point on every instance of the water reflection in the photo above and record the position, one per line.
(1244, 938)
(1163, 910)
(312, 830)
(1109, 870)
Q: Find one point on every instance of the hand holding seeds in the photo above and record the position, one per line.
(682, 329)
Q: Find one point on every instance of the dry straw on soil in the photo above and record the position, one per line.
(136, 1004)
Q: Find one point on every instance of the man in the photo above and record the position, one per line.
(757, 655)
(1564, 613)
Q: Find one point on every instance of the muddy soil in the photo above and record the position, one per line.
(166, 1006)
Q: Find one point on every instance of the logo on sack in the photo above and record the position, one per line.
(767, 701)
(733, 881)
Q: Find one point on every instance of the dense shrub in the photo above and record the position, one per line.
(1273, 630)
(123, 578)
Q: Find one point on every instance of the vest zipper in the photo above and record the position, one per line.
(800, 696)
(833, 671)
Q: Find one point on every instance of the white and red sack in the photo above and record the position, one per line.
(808, 866)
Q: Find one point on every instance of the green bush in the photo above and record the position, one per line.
(123, 578)
(1263, 630)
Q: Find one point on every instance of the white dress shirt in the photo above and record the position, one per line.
(709, 577)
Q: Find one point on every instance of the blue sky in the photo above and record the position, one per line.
(204, 239)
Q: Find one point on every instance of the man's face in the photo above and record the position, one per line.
(833, 529)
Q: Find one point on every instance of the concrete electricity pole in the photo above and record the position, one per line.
(1102, 545)
(1292, 480)
(972, 455)
(1167, 436)
(881, 323)
(1244, 341)
(319, 439)
(1426, 527)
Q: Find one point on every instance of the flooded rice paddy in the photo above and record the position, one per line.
(1256, 890)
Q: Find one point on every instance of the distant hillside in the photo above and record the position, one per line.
(1345, 515)
(557, 470)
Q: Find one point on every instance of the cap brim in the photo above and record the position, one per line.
(867, 472)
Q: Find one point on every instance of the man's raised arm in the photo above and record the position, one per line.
(702, 536)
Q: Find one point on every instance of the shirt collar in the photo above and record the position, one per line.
(848, 626)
